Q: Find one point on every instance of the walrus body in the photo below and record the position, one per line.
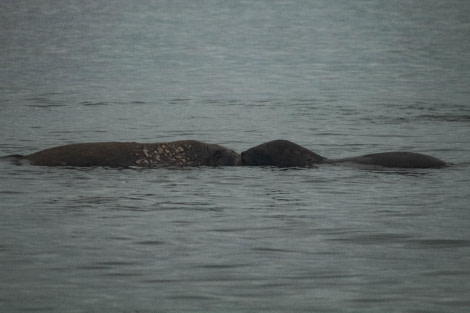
(393, 159)
(124, 154)
(283, 153)
(280, 153)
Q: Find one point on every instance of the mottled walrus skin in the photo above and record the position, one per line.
(125, 154)
(283, 153)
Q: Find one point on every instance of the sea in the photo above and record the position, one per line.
(341, 78)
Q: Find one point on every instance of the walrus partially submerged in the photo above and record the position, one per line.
(283, 153)
(280, 153)
(125, 154)
(399, 159)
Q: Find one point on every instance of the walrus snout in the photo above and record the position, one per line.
(235, 159)
(242, 158)
(238, 160)
(220, 155)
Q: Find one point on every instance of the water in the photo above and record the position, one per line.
(343, 79)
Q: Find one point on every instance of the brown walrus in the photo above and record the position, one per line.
(124, 154)
(283, 153)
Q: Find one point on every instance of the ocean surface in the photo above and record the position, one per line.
(342, 78)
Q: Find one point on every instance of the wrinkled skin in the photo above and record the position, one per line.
(124, 154)
(281, 153)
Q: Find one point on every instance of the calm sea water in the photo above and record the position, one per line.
(342, 78)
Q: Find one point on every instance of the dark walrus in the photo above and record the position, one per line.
(399, 159)
(284, 153)
(125, 154)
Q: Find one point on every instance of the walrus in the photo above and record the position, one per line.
(281, 153)
(398, 159)
(125, 154)
(284, 153)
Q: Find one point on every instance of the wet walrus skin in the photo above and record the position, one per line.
(400, 159)
(124, 154)
(283, 153)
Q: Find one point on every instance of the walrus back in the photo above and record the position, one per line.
(111, 154)
(124, 154)
(402, 159)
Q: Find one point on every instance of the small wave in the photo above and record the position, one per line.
(439, 243)
(150, 242)
(88, 103)
(44, 102)
(446, 118)
(375, 238)
(46, 105)
(179, 101)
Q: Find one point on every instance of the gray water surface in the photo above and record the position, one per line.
(342, 78)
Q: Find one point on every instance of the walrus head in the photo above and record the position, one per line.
(281, 153)
(219, 155)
